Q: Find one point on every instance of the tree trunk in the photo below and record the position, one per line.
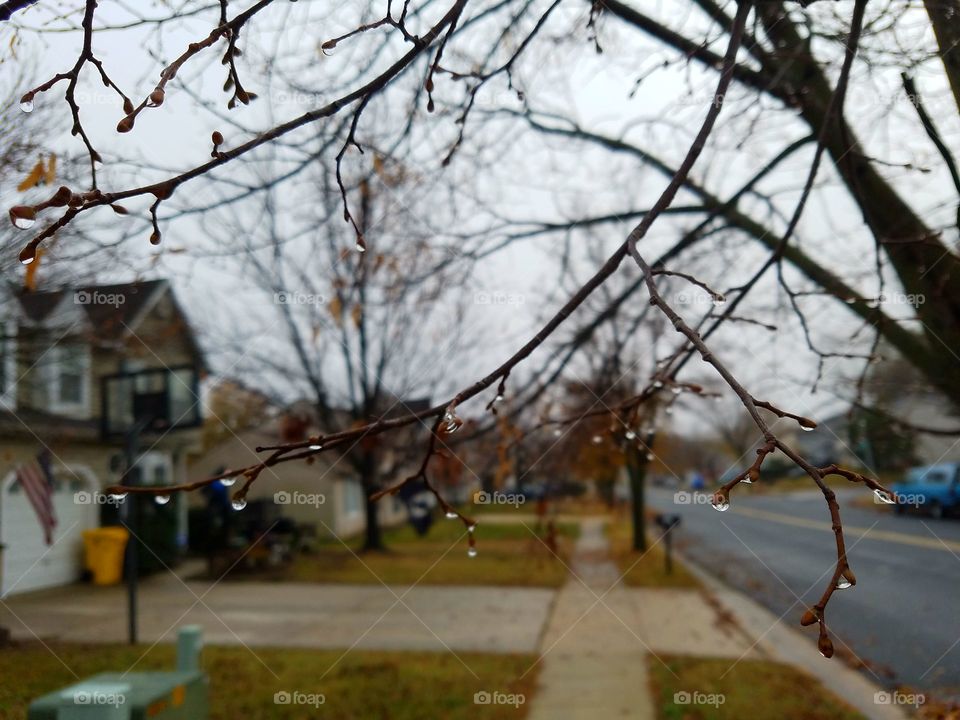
(637, 473)
(945, 18)
(926, 267)
(924, 264)
(373, 535)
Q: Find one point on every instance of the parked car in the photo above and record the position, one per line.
(935, 489)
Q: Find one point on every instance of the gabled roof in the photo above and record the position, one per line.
(107, 319)
(37, 306)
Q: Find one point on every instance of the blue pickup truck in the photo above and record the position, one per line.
(934, 489)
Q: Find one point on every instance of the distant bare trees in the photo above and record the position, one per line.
(358, 335)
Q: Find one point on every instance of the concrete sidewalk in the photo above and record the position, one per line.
(601, 636)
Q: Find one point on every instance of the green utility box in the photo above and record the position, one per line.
(181, 694)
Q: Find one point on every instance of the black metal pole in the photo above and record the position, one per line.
(668, 536)
(131, 518)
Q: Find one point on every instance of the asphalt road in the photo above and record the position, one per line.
(902, 617)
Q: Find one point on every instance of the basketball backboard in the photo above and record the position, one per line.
(157, 400)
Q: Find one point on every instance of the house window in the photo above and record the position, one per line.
(159, 475)
(69, 385)
(8, 363)
(352, 498)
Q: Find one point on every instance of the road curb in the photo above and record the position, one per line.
(786, 644)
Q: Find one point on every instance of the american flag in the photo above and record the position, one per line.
(37, 481)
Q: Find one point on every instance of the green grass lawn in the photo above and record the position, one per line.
(644, 569)
(507, 554)
(362, 685)
(756, 689)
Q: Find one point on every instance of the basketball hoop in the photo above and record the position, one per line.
(157, 400)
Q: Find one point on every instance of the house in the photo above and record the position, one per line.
(56, 349)
(904, 419)
(323, 495)
(829, 443)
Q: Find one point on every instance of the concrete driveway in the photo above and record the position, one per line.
(488, 619)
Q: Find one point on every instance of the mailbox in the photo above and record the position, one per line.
(667, 521)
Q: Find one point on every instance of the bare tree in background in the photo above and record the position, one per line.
(736, 431)
(359, 336)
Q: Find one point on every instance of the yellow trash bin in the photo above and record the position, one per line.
(103, 553)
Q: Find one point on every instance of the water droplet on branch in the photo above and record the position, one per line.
(161, 499)
(884, 497)
(847, 579)
(238, 504)
(451, 423)
(26, 103)
(825, 645)
(23, 217)
(228, 482)
(451, 515)
(720, 502)
(471, 552)
(118, 497)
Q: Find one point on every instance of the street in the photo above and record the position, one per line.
(900, 619)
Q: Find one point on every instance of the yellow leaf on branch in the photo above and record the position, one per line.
(336, 310)
(34, 177)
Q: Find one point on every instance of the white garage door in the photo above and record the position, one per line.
(28, 563)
